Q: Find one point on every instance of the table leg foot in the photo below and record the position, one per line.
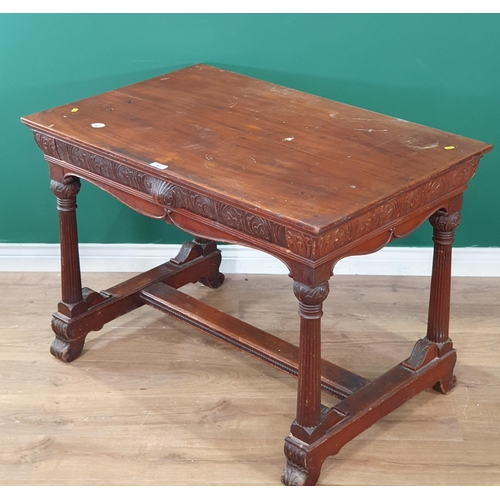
(213, 282)
(302, 467)
(66, 350)
(293, 475)
(446, 385)
(64, 347)
(426, 352)
(216, 279)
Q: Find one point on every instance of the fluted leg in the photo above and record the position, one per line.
(309, 376)
(300, 469)
(72, 301)
(71, 282)
(444, 225)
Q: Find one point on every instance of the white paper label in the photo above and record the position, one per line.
(159, 165)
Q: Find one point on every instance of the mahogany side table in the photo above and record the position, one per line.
(308, 180)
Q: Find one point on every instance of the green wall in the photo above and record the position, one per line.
(441, 70)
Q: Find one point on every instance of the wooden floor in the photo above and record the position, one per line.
(153, 401)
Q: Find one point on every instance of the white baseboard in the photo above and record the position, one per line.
(398, 261)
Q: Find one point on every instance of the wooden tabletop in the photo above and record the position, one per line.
(282, 153)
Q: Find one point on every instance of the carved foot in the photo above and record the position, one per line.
(65, 350)
(303, 467)
(216, 278)
(213, 281)
(294, 475)
(446, 385)
(426, 351)
(64, 347)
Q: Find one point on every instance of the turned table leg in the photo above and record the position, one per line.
(72, 301)
(444, 225)
(300, 470)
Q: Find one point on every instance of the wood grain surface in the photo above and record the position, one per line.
(153, 401)
(251, 143)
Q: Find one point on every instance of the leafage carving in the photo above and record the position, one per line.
(104, 167)
(66, 190)
(315, 247)
(46, 144)
(445, 222)
(311, 296)
(177, 197)
(309, 246)
(164, 193)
